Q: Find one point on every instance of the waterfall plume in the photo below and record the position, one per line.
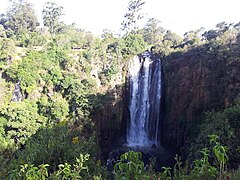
(144, 103)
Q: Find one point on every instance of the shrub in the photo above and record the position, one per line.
(224, 124)
(56, 145)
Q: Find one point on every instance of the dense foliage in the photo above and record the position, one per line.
(225, 124)
(131, 166)
(54, 80)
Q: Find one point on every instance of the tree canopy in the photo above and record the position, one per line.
(21, 18)
(51, 15)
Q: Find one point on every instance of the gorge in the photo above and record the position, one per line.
(143, 108)
(78, 105)
(189, 85)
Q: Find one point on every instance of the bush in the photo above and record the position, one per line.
(7, 51)
(130, 166)
(225, 124)
(21, 120)
(55, 145)
(55, 108)
(78, 170)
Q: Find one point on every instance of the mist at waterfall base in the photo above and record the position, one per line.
(144, 107)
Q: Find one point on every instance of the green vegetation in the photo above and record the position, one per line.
(225, 125)
(131, 166)
(51, 14)
(70, 81)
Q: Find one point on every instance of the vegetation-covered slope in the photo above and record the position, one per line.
(62, 88)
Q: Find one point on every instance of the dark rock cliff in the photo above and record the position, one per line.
(193, 82)
(196, 81)
(107, 117)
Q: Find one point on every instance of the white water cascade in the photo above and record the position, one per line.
(144, 103)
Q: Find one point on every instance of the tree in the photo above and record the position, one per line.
(133, 44)
(2, 31)
(107, 34)
(51, 14)
(133, 15)
(5, 23)
(193, 37)
(7, 49)
(21, 17)
(223, 26)
(3, 20)
(211, 34)
(172, 37)
(237, 26)
(153, 32)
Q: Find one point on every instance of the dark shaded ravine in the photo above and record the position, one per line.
(142, 131)
(193, 82)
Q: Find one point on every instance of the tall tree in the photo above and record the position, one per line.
(21, 17)
(51, 14)
(153, 32)
(133, 15)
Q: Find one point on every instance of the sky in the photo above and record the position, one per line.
(177, 15)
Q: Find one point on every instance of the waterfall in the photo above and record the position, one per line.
(17, 95)
(144, 102)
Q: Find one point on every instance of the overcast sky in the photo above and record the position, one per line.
(177, 15)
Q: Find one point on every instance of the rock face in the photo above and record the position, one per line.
(194, 82)
(108, 118)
